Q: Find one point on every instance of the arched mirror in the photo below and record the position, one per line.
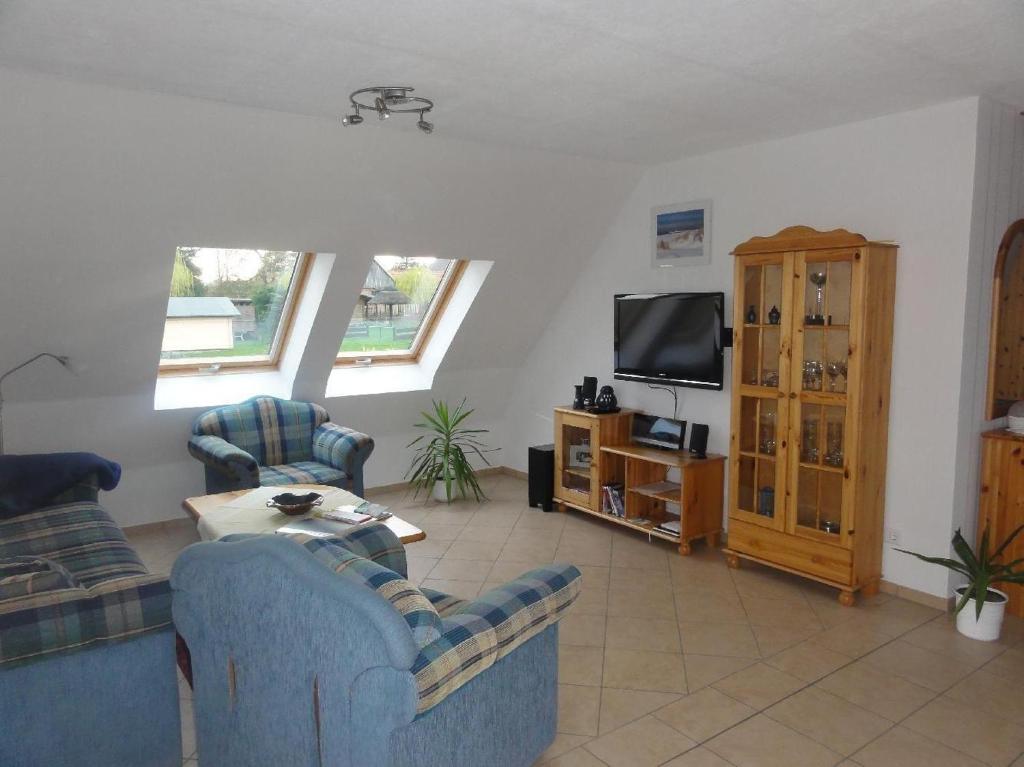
(1006, 342)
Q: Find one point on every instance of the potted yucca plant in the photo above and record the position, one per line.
(984, 617)
(441, 464)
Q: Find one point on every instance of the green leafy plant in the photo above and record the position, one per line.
(442, 452)
(982, 569)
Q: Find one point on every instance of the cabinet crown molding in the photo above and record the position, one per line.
(803, 238)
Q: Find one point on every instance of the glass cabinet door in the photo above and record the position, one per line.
(574, 480)
(822, 369)
(761, 375)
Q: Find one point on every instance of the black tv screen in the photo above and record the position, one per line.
(670, 338)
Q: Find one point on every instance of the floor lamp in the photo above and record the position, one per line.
(64, 361)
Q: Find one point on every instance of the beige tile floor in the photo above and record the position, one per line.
(682, 662)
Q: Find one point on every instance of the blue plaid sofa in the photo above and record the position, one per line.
(87, 662)
(271, 441)
(318, 652)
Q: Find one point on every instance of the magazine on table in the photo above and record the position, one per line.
(327, 522)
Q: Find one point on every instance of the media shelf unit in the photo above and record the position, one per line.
(643, 472)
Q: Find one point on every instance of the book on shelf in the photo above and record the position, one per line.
(670, 526)
(611, 500)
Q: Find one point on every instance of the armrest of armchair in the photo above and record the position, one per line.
(373, 541)
(54, 620)
(226, 458)
(490, 627)
(344, 449)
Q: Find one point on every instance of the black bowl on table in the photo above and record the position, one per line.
(294, 504)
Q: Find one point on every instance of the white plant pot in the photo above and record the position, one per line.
(987, 627)
(439, 494)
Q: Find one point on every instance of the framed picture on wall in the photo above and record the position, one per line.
(681, 234)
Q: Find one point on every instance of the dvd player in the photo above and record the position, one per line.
(655, 431)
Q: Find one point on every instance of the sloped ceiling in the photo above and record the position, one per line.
(99, 185)
(641, 82)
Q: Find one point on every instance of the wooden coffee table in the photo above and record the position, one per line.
(216, 516)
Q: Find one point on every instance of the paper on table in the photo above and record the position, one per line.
(255, 499)
(340, 498)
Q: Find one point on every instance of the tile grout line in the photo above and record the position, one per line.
(808, 685)
(894, 724)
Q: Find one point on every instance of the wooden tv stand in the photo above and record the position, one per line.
(699, 494)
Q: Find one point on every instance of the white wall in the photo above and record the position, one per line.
(998, 202)
(98, 186)
(906, 177)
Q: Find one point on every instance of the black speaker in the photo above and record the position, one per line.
(589, 390)
(699, 440)
(541, 465)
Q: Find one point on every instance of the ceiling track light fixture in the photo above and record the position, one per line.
(387, 100)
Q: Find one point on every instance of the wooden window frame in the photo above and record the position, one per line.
(437, 309)
(215, 365)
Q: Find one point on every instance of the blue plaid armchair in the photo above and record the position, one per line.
(319, 652)
(271, 441)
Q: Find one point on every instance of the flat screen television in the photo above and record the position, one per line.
(670, 338)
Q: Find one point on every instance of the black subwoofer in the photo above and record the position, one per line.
(541, 466)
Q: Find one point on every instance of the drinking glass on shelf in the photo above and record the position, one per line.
(809, 443)
(767, 443)
(812, 375)
(834, 443)
(835, 368)
(770, 378)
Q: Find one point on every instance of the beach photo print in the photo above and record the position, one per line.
(681, 234)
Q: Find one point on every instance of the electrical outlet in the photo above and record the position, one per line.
(892, 536)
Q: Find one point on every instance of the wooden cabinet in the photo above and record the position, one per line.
(579, 433)
(642, 473)
(1002, 501)
(812, 345)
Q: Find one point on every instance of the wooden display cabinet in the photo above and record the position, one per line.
(643, 472)
(813, 314)
(1002, 502)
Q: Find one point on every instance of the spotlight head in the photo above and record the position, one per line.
(383, 113)
(353, 119)
(426, 127)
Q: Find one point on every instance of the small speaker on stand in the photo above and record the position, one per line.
(699, 440)
(589, 390)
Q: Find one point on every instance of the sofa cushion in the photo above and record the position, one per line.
(55, 621)
(301, 472)
(415, 608)
(81, 537)
(274, 431)
(21, 576)
(109, 595)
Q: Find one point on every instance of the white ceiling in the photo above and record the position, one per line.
(642, 81)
